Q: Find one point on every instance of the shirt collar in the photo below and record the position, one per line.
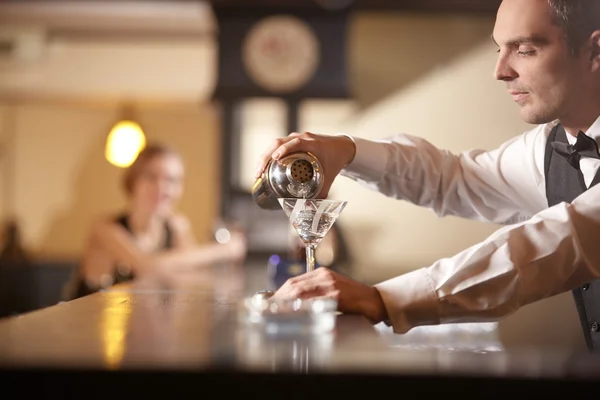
(593, 132)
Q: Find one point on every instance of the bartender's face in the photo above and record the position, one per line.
(535, 62)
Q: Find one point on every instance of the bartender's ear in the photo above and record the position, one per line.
(595, 51)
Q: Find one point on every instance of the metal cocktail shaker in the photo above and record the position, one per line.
(297, 175)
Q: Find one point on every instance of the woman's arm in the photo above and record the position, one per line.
(117, 243)
(183, 235)
(184, 238)
(97, 266)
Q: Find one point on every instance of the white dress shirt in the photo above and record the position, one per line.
(540, 253)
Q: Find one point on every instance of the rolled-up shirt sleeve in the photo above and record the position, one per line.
(553, 252)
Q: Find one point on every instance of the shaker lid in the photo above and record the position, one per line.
(301, 171)
(297, 175)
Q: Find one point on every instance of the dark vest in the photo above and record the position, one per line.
(565, 183)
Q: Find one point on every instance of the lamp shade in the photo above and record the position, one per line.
(124, 143)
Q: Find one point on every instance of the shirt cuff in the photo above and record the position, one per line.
(370, 160)
(410, 300)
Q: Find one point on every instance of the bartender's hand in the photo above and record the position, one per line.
(353, 297)
(333, 152)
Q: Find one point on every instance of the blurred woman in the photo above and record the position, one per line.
(149, 238)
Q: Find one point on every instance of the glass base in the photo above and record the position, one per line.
(290, 317)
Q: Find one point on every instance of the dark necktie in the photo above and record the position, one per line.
(585, 146)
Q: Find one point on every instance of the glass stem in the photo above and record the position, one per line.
(310, 257)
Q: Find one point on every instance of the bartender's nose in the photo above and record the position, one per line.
(504, 70)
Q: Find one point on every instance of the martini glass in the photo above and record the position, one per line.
(312, 219)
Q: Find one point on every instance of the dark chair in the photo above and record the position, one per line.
(29, 286)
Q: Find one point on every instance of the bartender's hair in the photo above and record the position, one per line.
(577, 18)
(135, 170)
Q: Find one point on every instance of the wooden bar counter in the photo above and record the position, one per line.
(185, 338)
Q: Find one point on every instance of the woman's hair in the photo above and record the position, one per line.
(577, 18)
(150, 151)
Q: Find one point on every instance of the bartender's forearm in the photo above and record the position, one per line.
(475, 184)
(552, 253)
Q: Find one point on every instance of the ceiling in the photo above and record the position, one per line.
(150, 17)
(185, 17)
(462, 6)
